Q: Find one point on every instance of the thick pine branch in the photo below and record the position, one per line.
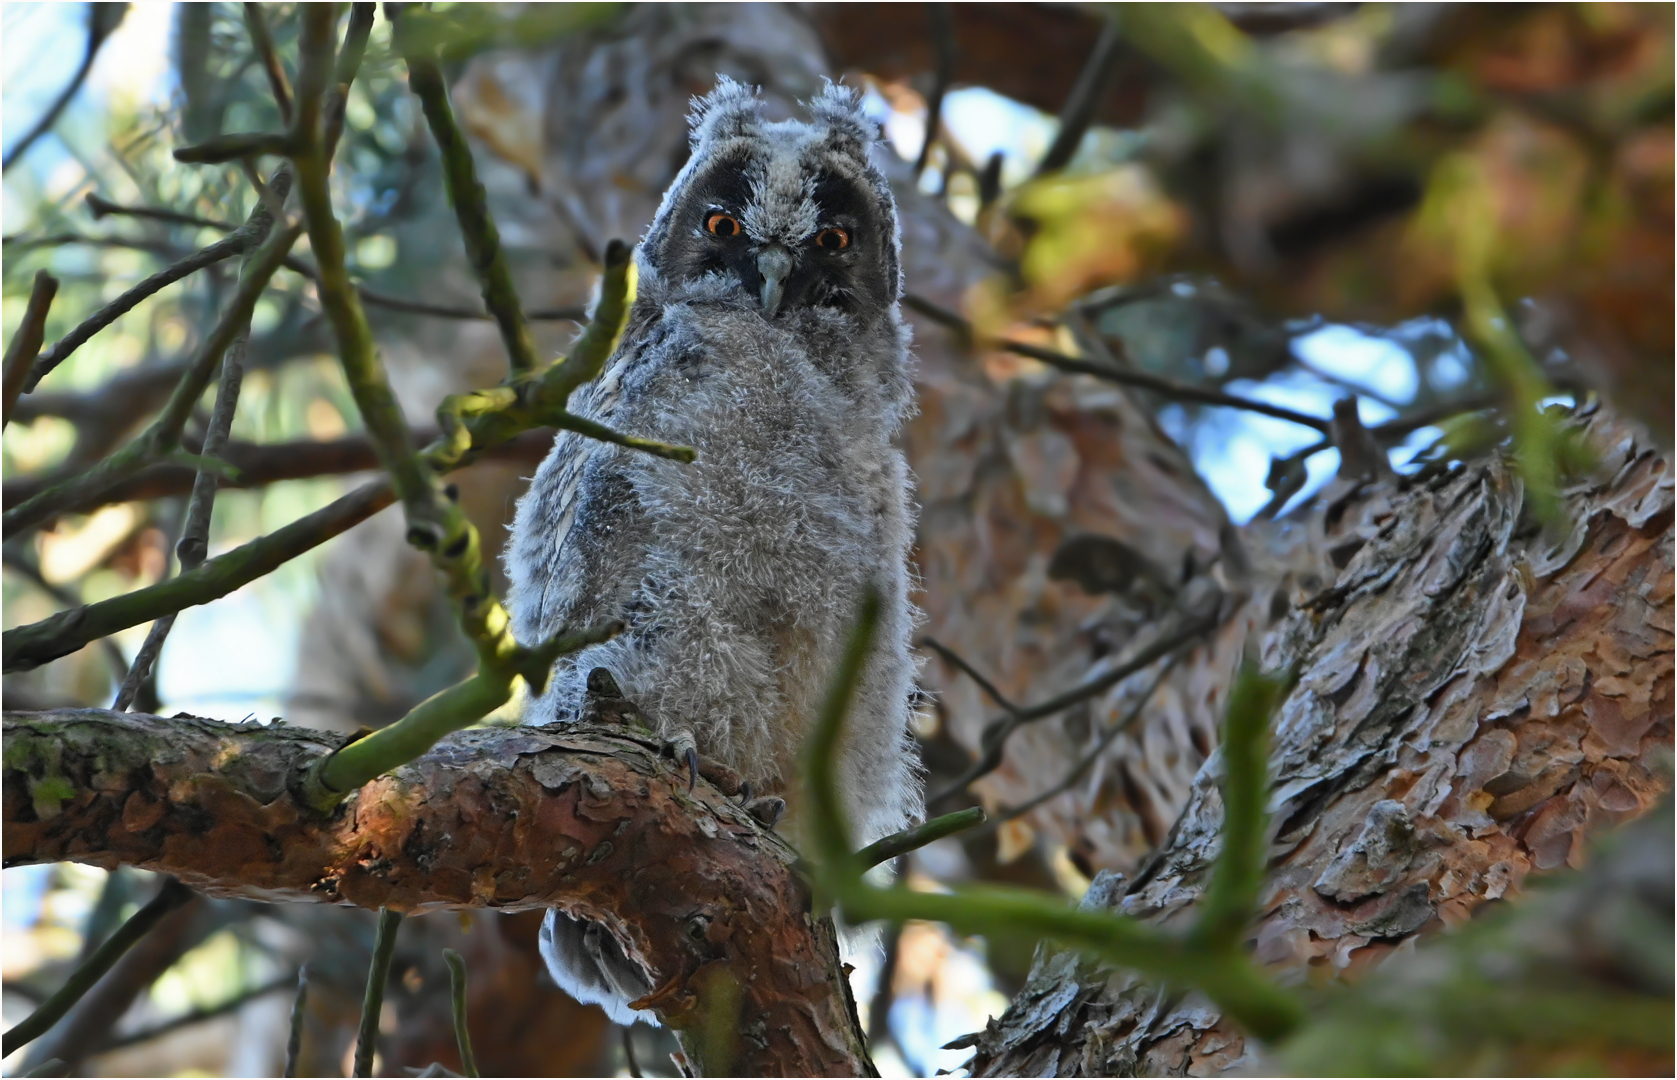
(582, 817)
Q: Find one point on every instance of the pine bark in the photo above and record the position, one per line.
(584, 818)
(1475, 696)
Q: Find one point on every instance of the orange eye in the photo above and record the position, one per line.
(720, 224)
(834, 239)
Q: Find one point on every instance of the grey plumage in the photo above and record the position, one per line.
(766, 334)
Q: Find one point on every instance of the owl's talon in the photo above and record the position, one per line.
(682, 746)
(745, 793)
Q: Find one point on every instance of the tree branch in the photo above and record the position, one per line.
(260, 464)
(590, 820)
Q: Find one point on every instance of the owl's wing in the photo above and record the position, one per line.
(572, 560)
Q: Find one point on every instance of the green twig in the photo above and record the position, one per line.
(1226, 908)
(1224, 974)
(27, 647)
(372, 1002)
(918, 837)
(339, 773)
(171, 896)
(26, 342)
(471, 209)
(225, 148)
(457, 992)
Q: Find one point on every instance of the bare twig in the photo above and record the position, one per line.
(384, 947)
(1085, 98)
(101, 207)
(260, 464)
(1118, 727)
(263, 41)
(344, 72)
(102, 19)
(1141, 380)
(26, 341)
(225, 148)
(299, 1013)
(171, 896)
(193, 544)
(943, 41)
(457, 994)
(996, 734)
(956, 660)
(198, 1016)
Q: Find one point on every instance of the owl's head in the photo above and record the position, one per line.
(790, 214)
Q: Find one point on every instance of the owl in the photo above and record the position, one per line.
(766, 334)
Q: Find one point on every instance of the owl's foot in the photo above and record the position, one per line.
(681, 745)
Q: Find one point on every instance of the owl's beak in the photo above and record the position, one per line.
(774, 263)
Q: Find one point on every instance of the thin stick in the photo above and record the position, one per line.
(1141, 380)
(261, 464)
(1085, 98)
(257, 23)
(1119, 726)
(372, 1003)
(26, 341)
(171, 896)
(457, 993)
(991, 757)
(943, 41)
(101, 20)
(970, 672)
(193, 544)
(299, 1012)
(629, 1052)
(197, 1016)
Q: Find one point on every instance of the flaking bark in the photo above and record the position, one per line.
(1475, 697)
(580, 817)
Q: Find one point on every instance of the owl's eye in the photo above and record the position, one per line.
(723, 225)
(833, 239)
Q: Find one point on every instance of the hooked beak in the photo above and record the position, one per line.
(774, 263)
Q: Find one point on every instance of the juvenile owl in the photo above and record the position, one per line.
(766, 334)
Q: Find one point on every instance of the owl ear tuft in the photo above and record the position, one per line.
(730, 110)
(840, 109)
